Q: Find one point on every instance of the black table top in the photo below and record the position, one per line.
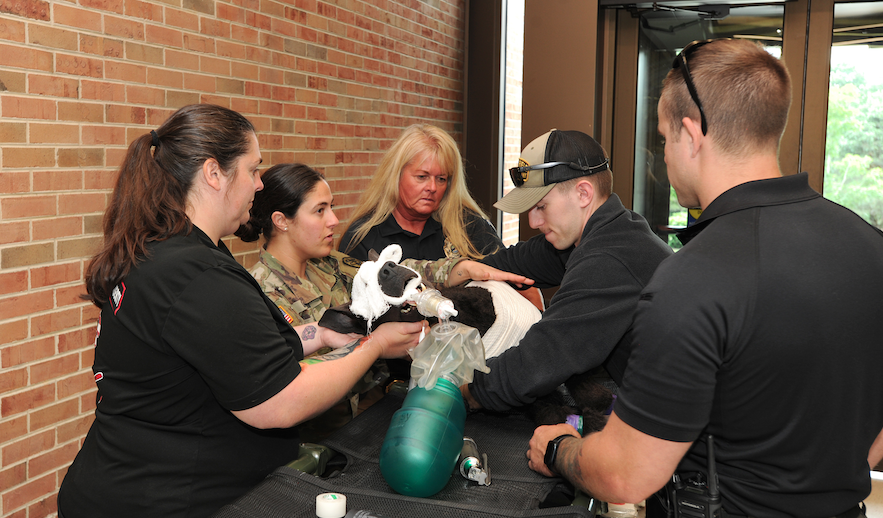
(515, 489)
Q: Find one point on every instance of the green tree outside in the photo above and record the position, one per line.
(854, 144)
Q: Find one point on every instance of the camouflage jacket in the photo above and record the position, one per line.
(328, 283)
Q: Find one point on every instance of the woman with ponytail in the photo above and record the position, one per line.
(199, 374)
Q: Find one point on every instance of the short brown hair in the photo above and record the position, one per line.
(745, 92)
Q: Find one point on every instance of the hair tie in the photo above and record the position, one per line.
(155, 138)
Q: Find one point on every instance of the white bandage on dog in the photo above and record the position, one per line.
(369, 300)
(515, 315)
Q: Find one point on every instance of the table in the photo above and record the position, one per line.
(515, 490)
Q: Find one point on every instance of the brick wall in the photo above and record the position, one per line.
(329, 83)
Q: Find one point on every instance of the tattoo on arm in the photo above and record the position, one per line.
(568, 465)
(309, 332)
(335, 354)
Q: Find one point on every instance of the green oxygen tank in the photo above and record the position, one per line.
(424, 439)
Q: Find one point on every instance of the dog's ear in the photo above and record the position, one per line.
(342, 320)
(373, 255)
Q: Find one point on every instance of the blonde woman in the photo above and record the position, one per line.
(418, 199)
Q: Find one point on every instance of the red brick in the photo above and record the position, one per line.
(12, 429)
(14, 475)
(115, 157)
(58, 180)
(244, 34)
(34, 9)
(13, 379)
(53, 86)
(12, 30)
(146, 10)
(47, 506)
(199, 44)
(183, 60)
(32, 490)
(52, 459)
(76, 17)
(27, 107)
(198, 82)
(55, 321)
(77, 339)
(15, 232)
(125, 114)
(76, 429)
(13, 332)
(81, 111)
(104, 135)
(182, 19)
(114, 6)
(16, 132)
(28, 157)
(23, 401)
(80, 157)
(79, 65)
(54, 134)
(145, 95)
(28, 206)
(54, 414)
(25, 304)
(164, 77)
(164, 36)
(13, 282)
(107, 178)
(101, 91)
(55, 274)
(57, 227)
(26, 255)
(78, 383)
(128, 72)
(99, 46)
(78, 248)
(231, 13)
(52, 37)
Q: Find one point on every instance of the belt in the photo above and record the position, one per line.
(857, 511)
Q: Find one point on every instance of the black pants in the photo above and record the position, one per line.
(655, 509)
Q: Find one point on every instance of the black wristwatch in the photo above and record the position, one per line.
(552, 451)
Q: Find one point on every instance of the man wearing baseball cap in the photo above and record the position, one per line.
(600, 254)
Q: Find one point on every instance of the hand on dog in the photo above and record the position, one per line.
(475, 271)
(395, 338)
(541, 437)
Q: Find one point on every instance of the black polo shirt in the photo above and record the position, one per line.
(765, 331)
(186, 337)
(429, 244)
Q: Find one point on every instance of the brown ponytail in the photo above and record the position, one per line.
(150, 196)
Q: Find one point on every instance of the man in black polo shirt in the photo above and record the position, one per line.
(764, 331)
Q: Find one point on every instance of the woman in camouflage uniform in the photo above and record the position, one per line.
(301, 273)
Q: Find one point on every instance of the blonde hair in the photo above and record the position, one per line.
(380, 198)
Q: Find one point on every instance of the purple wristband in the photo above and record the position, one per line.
(575, 421)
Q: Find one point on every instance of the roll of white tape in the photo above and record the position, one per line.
(330, 505)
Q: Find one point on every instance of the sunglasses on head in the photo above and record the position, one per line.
(519, 175)
(681, 62)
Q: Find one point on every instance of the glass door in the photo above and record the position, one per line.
(854, 138)
(663, 32)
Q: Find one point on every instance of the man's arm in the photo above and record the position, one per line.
(875, 455)
(617, 464)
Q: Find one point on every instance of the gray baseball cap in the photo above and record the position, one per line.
(555, 156)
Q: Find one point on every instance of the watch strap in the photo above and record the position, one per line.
(552, 451)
